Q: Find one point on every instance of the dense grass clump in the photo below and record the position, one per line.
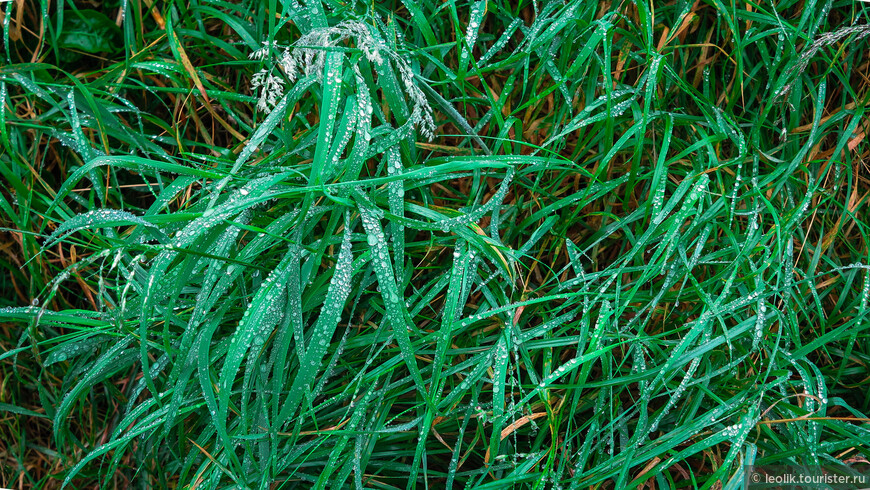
(424, 244)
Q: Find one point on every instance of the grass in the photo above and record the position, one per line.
(430, 244)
